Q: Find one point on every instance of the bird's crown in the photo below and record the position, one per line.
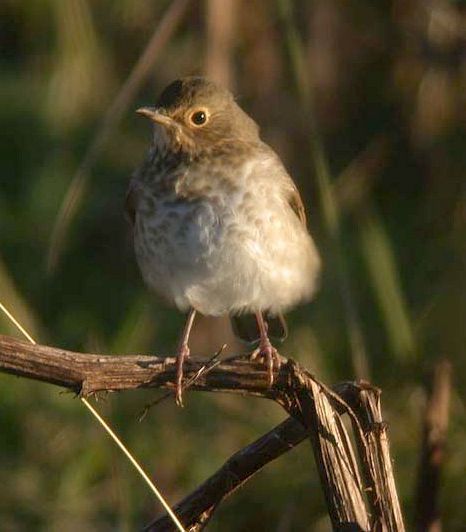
(197, 113)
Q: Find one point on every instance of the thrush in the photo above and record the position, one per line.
(219, 225)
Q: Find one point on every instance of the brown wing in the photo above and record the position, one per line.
(296, 203)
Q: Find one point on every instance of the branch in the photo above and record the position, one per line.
(314, 405)
(316, 409)
(195, 509)
(373, 446)
(86, 373)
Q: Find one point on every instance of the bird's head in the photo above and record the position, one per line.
(195, 114)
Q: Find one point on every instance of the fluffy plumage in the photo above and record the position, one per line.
(219, 225)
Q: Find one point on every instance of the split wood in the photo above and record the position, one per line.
(360, 494)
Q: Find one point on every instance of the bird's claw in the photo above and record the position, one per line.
(267, 354)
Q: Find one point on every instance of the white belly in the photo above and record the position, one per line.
(244, 254)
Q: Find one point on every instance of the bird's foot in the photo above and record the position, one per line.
(183, 354)
(267, 354)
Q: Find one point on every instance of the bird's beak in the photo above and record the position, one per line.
(156, 115)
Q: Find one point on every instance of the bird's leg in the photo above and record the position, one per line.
(266, 350)
(183, 353)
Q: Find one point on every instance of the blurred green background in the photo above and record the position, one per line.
(365, 103)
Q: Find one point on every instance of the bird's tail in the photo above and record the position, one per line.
(245, 327)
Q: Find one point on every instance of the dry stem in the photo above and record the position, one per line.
(316, 410)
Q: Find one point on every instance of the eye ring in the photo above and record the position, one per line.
(199, 117)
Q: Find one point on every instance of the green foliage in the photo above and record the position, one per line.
(365, 104)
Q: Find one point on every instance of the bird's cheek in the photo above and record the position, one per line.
(186, 138)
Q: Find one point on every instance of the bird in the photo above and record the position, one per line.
(219, 227)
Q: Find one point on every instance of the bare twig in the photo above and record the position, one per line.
(208, 366)
(114, 114)
(375, 456)
(87, 374)
(236, 471)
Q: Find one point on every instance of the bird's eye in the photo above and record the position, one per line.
(198, 118)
